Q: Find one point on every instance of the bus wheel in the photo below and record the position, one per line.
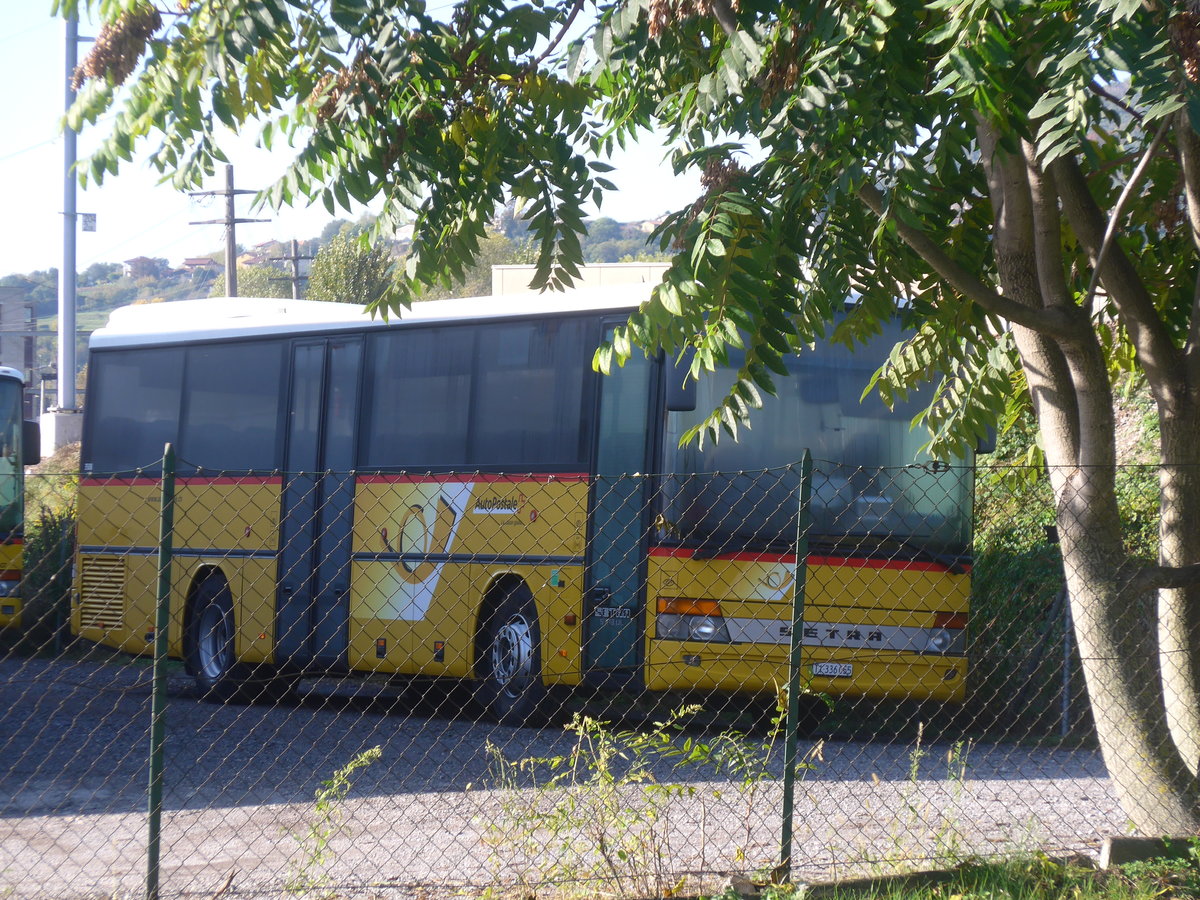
(510, 665)
(210, 642)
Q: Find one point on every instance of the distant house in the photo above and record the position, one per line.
(201, 268)
(145, 267)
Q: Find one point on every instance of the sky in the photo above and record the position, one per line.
(137, 216)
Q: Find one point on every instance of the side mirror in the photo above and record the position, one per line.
(987, 443)
(681, 390)
(31, 443)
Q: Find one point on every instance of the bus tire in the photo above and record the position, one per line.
(509, 664)
(210, 643)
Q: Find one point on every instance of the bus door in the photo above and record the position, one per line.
(313, 600)
(618, 527)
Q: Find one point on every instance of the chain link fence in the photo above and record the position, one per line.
(418, 685)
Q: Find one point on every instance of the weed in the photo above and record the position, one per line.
(600, 815)
(947, 837)
(310, 873)
(920, 827)
(1163, 877)
(46, 583)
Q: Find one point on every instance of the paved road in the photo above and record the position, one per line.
(430, 814)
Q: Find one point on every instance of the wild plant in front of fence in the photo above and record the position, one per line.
(601, 817)
(315, 852)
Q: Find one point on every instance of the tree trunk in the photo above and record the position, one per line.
(1179, 609)
(1118, 644)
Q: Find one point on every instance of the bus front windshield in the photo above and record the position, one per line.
(873, 491)
(11, 480)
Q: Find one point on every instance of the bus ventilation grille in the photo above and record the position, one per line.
(102, 592)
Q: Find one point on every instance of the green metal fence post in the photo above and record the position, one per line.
(794, 670)
(162, 620)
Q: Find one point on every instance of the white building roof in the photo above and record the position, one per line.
(227, 317)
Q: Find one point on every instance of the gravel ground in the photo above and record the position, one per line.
(429, 817)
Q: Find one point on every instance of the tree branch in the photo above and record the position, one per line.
(1014, 189)
(1157, 355)
(562, 32)
(1189, 164)
(1118, 211)
(1189, 157)
(723, 11)
(1156, 578)
(1047, 231)
(1115, 101)
(1055, 322)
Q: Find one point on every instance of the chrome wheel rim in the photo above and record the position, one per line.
(215, 641)
(512, 656)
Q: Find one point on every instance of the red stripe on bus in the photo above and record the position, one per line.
(93, 481)
(190, 480)
(741, 556)
(855, 562)
(457, 478)
(230, 479)
(911, 565)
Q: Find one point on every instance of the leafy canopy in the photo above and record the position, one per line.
(345, 271)
(838, 144)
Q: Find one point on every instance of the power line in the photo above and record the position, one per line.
(26, 31)
(17, 153)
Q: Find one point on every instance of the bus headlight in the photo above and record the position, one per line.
(948, 634)
(10, 582)
(939, 641)
(690, 620)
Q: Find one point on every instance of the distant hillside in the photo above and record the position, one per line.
(102, 287)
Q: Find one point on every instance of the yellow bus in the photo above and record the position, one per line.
(19, 447)
(456, 493)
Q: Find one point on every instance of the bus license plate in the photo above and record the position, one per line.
(833, 670)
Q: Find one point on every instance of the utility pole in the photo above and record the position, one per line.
(295, 259)
(66, 274)
(229, 222)
(62, 425)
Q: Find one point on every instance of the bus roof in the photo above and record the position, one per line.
(230, 317)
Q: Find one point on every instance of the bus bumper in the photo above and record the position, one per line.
(675, 665)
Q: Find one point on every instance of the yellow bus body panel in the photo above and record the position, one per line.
(421, 615)
(11, 607)
(899, 595)
(426, 550)
(226, 524)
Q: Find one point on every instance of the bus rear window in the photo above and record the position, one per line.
(134, 408)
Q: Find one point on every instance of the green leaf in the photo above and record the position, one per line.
(350, 15)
